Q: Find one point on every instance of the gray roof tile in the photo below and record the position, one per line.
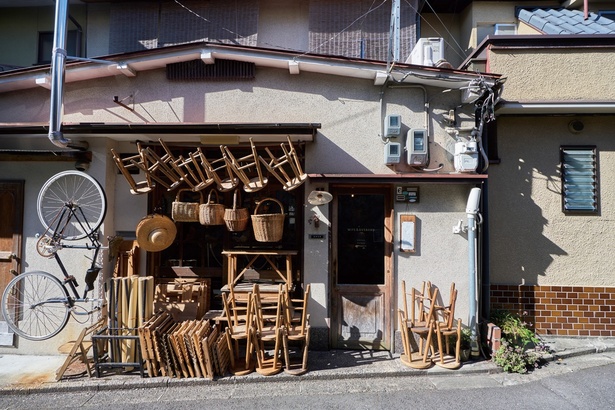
(564, 21)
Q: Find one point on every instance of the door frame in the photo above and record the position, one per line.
(385, 290)
(16, 188)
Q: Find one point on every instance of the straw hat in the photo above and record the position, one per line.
(156, 232)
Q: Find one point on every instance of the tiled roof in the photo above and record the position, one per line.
(563, 21)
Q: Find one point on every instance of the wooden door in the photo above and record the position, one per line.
(362, 246)
(11, 226)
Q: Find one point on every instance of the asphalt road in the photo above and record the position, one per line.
(576, 384)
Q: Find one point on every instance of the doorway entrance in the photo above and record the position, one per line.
(11, 230)
(362, 268)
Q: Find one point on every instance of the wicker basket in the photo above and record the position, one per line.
(236, 219)
(185, 211)
(268, 227)
(211, 213)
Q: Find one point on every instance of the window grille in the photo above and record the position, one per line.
(579, 179)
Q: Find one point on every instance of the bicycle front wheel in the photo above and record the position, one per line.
(71, 205)
(35, 305)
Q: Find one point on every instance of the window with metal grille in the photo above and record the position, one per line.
(579, 179)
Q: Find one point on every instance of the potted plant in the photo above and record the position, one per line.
(465, 345)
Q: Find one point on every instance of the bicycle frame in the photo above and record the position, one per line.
(57, 244)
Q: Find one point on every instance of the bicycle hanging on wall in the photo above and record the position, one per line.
(37, 305)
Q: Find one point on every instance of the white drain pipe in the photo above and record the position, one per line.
(472, 209)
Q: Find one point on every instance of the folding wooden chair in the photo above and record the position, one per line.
(238, 311)
(79, 348)
(296, 329)
(268, 330)
(287, 168)
(446, 326)
(127, 163)
(419, 322)
(241, 165)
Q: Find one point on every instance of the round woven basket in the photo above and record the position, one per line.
(268, 227)
(156, 232)
(211, 213)
(236, 219)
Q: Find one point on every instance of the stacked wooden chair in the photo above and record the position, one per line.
(297, 330)
(446, 326)
(238, 312)
(418, 323)
(267, 332)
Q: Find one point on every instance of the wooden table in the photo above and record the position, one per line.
(286, 276)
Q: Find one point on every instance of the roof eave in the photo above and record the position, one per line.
(130, 64)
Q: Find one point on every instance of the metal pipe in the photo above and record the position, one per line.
(471, 212)
(58, 59)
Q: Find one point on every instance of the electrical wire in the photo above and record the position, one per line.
(447, 30)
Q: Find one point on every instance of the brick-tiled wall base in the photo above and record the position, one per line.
(560, 310)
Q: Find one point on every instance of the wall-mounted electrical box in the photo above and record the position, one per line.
(408, 194)
(466, 156)
(417, 144)
(392, 153)
(392, 125)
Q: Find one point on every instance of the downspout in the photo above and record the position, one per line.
(58, 59)
(472, 208)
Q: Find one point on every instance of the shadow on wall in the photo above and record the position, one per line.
(521, 251)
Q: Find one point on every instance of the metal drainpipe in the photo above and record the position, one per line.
(471, 212)
(56, 106)
(58, 59)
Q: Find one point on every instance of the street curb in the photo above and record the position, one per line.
(397, 370)
(106, 384)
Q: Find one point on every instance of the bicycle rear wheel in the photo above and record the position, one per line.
(71, 205)
(34, 305)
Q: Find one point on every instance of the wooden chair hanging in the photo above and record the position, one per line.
(185, 174)
(159, 169)
(219, 171)
(128, 163)
(286, 168)
(195, 167)
(240, 166)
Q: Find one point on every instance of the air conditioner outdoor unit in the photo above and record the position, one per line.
(427, 51)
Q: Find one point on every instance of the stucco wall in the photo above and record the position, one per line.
(76, 261)
(557, 74)
(532, 240)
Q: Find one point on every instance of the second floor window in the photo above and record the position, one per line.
(45, 46)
